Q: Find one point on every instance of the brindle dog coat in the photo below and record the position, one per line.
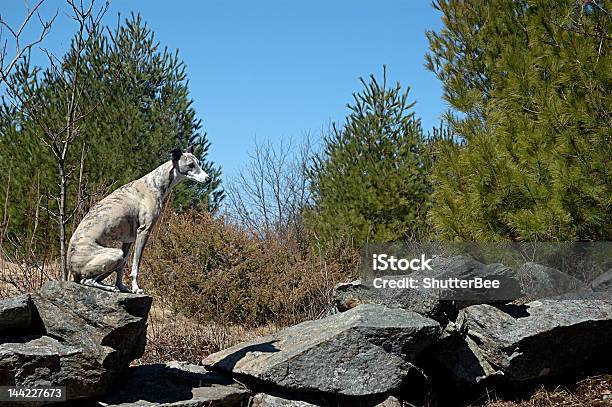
(126, 216)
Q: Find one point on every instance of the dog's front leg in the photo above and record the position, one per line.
(141, 240)
(119, 278)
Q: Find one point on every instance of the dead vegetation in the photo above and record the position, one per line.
(595, 391)
(172, 336)
(208, 270)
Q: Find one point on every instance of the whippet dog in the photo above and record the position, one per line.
(126, 216)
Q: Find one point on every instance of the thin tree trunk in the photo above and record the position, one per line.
(62, 221)
(78, 210)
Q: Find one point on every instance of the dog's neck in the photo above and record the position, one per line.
(162, 179)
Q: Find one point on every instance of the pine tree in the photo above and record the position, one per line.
(136, 108)
(529, 88)
(148, 112)
(369, 182)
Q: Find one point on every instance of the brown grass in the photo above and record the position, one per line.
(25, 276)
(172, 336)
(595, 391)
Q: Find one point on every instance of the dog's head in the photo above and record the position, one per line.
(187, 165)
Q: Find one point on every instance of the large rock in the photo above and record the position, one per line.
(538, 281)
(44, 361)
(542, 339)
(15, 315)
(89, 337)
(441, 304)
(466, 268)
(423, 301)
(111, 324)
(175, 384)
(362, 352)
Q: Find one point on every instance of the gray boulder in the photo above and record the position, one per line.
(466, 268)
(426, 302)
(538, 281)
(362, 352)
(175, 384)
(112, 325)
(15, 315)
(441, 304)
(44, 361)
(542, 339)
(89, 337)
(603, 282)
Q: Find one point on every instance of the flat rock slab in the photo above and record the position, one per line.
(175, 384)
(267, 400)
(15, 314)
(364, 351)
(543, 339)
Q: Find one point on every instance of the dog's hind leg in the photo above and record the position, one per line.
(119, 278)
(97, 283)
(105, 261)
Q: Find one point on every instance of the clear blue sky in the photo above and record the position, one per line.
(271, 68)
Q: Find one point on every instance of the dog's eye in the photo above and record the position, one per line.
(192, 165)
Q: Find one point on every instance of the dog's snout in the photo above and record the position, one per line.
(203, 177)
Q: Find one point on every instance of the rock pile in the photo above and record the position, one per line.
(389, 344)
(69, 335)
(381, 347)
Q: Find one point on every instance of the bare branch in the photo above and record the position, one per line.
(269, 196)
(19, 50)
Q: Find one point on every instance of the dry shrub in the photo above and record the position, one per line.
(209, 270)
(25, 277)
(172, 336)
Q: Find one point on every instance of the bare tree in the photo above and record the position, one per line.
(57, 138)
(269, 195)
(7, 63)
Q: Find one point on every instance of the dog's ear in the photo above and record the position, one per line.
(176, 154)
(189, 149)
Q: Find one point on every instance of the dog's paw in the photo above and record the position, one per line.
(137, 291)
(122, 289)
